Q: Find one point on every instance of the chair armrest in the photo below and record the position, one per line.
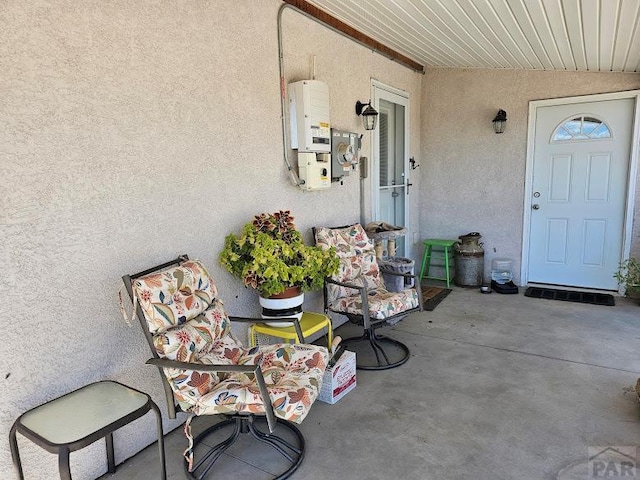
(202, 367)
(415, 287)
(343, 284)
(353, 286)
(364, 293)
(398, 274)
(294, 320)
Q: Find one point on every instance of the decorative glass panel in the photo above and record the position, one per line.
(601, 131)
(581, 128)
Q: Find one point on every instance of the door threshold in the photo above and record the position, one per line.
(615, 293)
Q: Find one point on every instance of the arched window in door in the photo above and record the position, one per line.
(583, 127)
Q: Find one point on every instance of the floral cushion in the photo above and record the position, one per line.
(348, 241)
(198, 337)
(382, 304)
(358, 264)
(170, 300)
(174, 296)
(293, 374)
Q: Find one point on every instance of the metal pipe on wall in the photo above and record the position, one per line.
(355, 36)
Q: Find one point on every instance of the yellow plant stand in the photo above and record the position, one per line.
(310, 323)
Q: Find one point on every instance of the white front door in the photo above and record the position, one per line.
(390, 157)
(579, 193)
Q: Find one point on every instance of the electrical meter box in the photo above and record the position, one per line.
(309, 116)
(344, 152)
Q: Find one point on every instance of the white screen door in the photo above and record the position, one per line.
(390, 147)
(579, 192)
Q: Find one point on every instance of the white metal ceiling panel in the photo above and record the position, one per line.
(591, 33)
(542, 29)
(608, 27)
(500, 31)
(531, 33)
(584, 35)
(573, 21)
(627, 24)
(559, 34)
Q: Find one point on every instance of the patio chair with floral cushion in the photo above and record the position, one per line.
(207, 371)
(358, 292)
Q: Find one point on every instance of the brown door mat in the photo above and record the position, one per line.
(432, 296)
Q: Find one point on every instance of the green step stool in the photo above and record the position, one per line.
(442, 250)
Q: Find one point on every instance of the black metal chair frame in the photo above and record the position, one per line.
(376, 341)
(238, 423)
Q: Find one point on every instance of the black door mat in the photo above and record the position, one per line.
(568, 296)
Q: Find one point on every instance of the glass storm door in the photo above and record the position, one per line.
(390, 142)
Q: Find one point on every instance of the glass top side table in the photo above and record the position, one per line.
(81, 417)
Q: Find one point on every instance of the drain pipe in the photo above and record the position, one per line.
(283, 85)
(283, 104)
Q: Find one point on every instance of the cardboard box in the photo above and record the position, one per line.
(339, 379)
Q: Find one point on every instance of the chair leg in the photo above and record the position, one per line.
(388, 352)
(15, 453)
(446, 265)
(243, 424)
(287, 450)
(214, 452)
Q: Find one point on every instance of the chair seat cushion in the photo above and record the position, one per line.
(293, 374)
(382, 304)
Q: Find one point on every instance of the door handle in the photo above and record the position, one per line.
(409, 184)
(535, 206)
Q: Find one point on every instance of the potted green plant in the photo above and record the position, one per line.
(628, 275)
(270, 256)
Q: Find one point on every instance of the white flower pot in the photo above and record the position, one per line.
(282, 307)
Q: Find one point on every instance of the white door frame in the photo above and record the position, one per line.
(401, 97)
(631, 175)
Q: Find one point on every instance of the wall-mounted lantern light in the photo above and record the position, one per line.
(500, 122)
(369, 114)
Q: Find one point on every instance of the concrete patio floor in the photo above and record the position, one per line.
(497, 387)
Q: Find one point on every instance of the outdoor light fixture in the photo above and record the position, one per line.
(500, 122)
(369, 114)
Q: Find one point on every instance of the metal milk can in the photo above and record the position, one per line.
(469, 260)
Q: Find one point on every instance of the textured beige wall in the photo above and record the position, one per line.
(473, 179)
(133, 132)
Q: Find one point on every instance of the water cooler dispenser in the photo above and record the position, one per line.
(502, 276)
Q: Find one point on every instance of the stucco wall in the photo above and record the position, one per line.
(133, 132)
(473, 179)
